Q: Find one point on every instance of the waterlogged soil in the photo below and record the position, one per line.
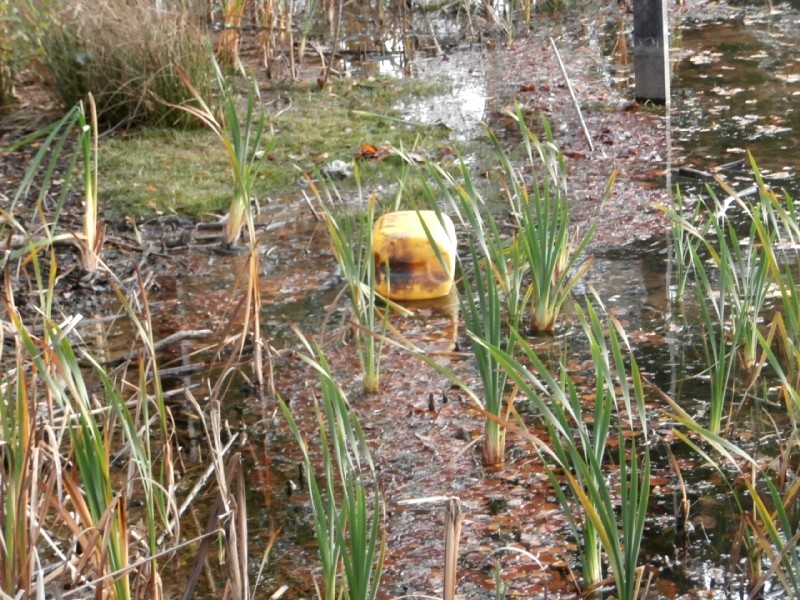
(424, 435)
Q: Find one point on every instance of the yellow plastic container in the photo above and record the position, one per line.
(415, 271)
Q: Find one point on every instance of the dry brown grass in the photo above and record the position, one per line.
(125, 52)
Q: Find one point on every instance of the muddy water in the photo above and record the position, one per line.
(736, 84)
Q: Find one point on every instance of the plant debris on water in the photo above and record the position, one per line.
(646, 446)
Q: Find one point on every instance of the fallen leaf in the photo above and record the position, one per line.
(368, 151)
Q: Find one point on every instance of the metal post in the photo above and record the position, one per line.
(651, 50)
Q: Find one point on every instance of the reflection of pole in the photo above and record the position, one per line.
(671, 258)
(651, 50)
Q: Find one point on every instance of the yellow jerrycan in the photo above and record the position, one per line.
(401, 246)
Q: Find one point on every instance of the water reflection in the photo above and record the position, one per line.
(463, 107)
(735, 87)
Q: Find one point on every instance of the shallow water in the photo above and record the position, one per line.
(735, 86)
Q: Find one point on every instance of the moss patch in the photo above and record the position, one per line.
(163, 170)
(186, 171)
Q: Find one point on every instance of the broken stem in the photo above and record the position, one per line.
(451, 541)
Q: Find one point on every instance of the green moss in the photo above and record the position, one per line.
(186, 171)
(163, 170)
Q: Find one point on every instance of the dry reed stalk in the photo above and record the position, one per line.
(266, 38)
(234, 508)
(93, 229)
(452, 535)
(228, 508)
(230, 38)
(253, 311)
(683, 507)
(620, 50)
(571, 90)
(288, 7)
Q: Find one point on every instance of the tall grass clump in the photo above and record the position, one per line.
(9, 25)
(345, 498)
(732, 280)
(746, 271)
(350, 233)
(721, 357)
(481, 308)
(124, 53)
(550, 246)
(610, 522)
(243, 136)
(491, 298)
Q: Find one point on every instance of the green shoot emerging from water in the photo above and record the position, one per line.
(347, 508)
(351, 237)
(551, 249)
(491, 289)
(612, 519)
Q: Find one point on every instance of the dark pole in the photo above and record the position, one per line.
(651, 50)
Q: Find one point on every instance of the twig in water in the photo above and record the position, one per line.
(178, 336)
(572, 95)
(203, 479)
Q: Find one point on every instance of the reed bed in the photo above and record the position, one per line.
(737, 279)
(65, 418)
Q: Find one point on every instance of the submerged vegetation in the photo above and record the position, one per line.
(107, 474)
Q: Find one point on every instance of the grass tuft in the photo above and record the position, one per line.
(347, 507)
(123, 52)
